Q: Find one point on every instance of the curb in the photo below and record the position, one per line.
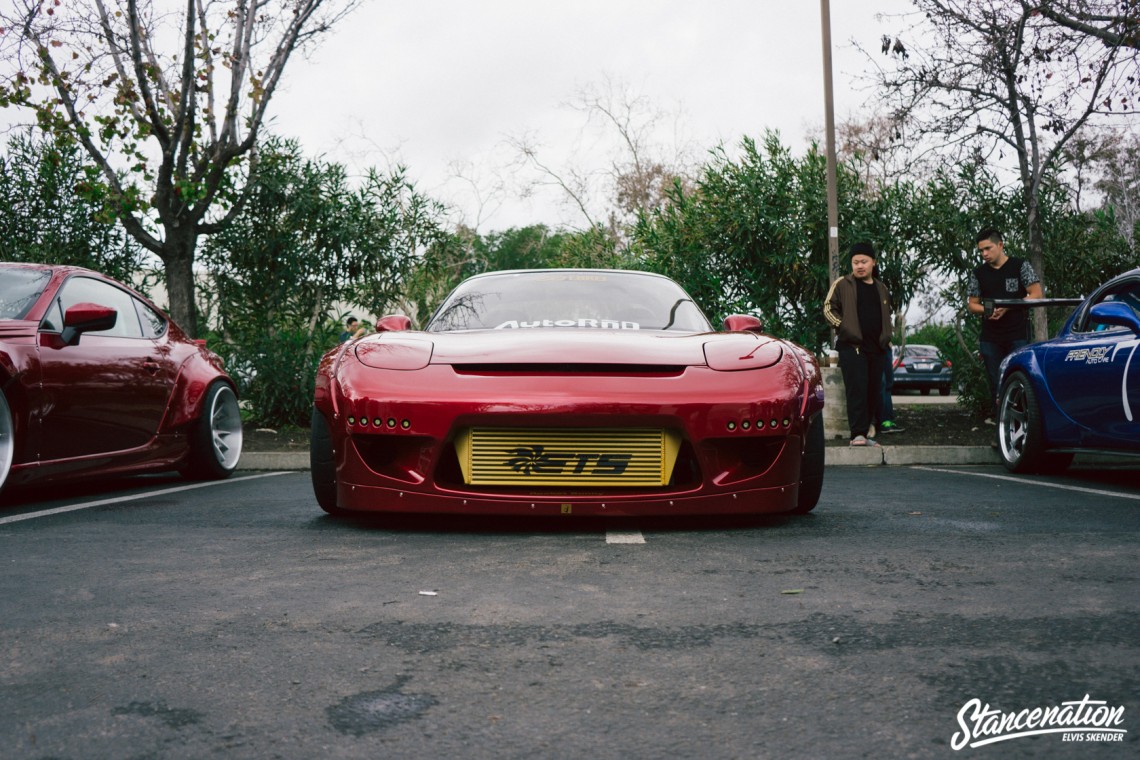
(274, 460)
(834, 456)
(869, 456)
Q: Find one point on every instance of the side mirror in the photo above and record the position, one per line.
(743, 323)
(393, 323)
(1115, 313)
(86, 317)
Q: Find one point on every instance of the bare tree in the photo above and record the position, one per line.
(873, 146)
(640, 171)
(166, 103)
(1109, 165)
(1116, 24)
(639, 168)
(997, 77)
(576, 185)
(1119, 183)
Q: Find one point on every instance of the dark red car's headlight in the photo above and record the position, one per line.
(746, 353)
(394, 353)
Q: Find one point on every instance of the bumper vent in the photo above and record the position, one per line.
(578, 457)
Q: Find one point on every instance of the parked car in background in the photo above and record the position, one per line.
(568, 392)
(95, 380)
(1079, 391)
(921, 367)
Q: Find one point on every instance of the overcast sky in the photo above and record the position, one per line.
(441, 83)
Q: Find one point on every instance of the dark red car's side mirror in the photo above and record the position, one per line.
(393, 323)
(743, 323)
(86, 317)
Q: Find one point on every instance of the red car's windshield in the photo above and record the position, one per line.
(19, 289)
(589, 299)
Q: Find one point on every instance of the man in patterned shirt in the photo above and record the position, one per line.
(1006, 330)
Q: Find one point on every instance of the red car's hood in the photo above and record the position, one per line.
(407, 350)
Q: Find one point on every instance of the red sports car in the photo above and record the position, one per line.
(95, 380)
(568, 392)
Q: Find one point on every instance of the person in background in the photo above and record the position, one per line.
(1006, 330)
(352, 329)
(858, 306)
(885, 422)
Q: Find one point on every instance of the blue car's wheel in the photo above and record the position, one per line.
(1021, 433)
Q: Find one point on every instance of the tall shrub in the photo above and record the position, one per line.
(306, 244)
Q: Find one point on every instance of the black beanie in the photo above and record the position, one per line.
(864, 248)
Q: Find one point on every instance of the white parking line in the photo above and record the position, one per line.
(1043, 484)
(119, 499)
(624, 537)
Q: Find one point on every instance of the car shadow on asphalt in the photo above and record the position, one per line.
(23, 497)
(1125, 473)
(479, 524)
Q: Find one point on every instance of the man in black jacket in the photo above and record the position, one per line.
(858, 307)
(1000, 276)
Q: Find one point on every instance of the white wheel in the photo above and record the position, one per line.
(7, 440)
(225, 428)
(215, 440)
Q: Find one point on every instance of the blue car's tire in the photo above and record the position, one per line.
(1021, 431)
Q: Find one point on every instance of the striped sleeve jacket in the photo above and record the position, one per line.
(842, 313)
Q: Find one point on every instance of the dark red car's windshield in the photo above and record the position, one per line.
(569, 299)
(19, 289)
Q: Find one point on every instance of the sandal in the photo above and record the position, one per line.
(862, 440)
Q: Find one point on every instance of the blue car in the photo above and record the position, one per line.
(1080, 391)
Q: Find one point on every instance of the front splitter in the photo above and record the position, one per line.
(377, 499)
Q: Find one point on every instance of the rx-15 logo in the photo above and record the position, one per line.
(536, 460)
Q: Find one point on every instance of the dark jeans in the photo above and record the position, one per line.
(887, 408)
(993, 352)
(862, 379)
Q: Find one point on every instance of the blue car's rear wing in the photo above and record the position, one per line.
(989, 304)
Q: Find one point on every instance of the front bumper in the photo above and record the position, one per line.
(740, 440)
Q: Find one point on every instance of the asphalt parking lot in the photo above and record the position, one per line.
(147, 619)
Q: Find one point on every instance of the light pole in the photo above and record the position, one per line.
(829, 129)
(835, 410)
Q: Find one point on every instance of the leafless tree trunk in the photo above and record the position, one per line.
(167, 104)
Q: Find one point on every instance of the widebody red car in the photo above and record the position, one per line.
(568, 392)
(96, 380)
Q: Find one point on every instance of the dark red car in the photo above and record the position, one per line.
(568, 392)
(96, 380)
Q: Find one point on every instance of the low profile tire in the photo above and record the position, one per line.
(7, 440)
(216, 437)
(1021, 433)
(322, 464)
(811, 468)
